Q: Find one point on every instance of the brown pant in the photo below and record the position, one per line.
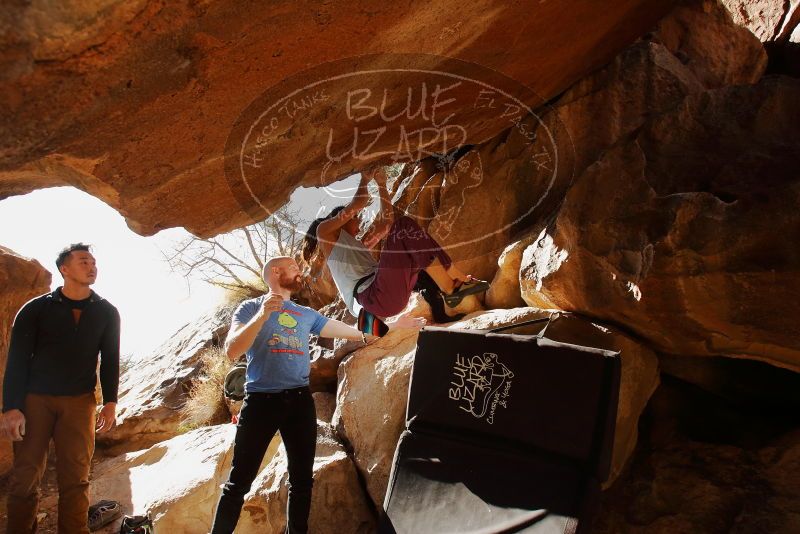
(70, 422)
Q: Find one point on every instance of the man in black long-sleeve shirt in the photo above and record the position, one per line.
(48, 391)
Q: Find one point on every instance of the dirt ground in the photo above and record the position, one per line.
(48, 511)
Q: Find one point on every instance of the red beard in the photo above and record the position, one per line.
(292, 284)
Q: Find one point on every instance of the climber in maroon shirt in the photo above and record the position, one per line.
(382, 287)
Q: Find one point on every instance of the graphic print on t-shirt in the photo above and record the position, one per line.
(287, 336)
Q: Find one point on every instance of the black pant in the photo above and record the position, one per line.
(292, 412)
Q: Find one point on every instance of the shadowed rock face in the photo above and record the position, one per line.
(134, 101)
(681, 243)
(710, 462)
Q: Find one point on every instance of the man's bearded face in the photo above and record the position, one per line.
(292, 283)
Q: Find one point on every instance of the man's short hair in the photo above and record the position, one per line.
(273, 262)
(64, 254)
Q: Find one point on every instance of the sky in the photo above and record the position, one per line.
(133, 275)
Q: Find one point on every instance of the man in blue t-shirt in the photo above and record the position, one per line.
(273, 332)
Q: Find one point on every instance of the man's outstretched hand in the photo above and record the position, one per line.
(13, 424)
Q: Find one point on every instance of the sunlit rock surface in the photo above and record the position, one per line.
(156, 386)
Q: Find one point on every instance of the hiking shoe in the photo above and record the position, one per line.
(471, 287)
(233, 387)
(137, 524)
(103, 513)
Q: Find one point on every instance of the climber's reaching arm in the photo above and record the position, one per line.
(326, 231)
(383, 222)
(334, 328)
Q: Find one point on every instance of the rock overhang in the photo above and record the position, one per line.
(136, 104)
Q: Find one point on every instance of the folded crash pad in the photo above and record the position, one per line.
(504, 433)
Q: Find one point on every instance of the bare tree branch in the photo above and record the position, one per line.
(235, 260)
(253, 247)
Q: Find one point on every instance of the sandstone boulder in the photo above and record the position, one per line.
(371, 405)
(479, 199)
(176, 481)
(21, 279)
(776, 24)
(325, 404)
(717, 51)
(155, 387)
(678, 233)
(327, 354)
(504, 291)
(769, 20)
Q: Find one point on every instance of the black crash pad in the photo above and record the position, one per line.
(504, 433)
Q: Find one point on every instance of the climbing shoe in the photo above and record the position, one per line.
(137, 524)
(233, 388)
(471, 286)
(103, 513)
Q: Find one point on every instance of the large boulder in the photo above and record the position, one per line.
(718, 52)
(326, 353)
(769, 20)
(97, 95)
(155, 387)
(504, 291)
(693, 49)
(479, 199)
(679, 232)
(371, 405)
(176, 481)
(21, 279)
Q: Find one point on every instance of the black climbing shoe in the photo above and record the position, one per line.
(103, 513)
(470, 287)
(138, 524)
